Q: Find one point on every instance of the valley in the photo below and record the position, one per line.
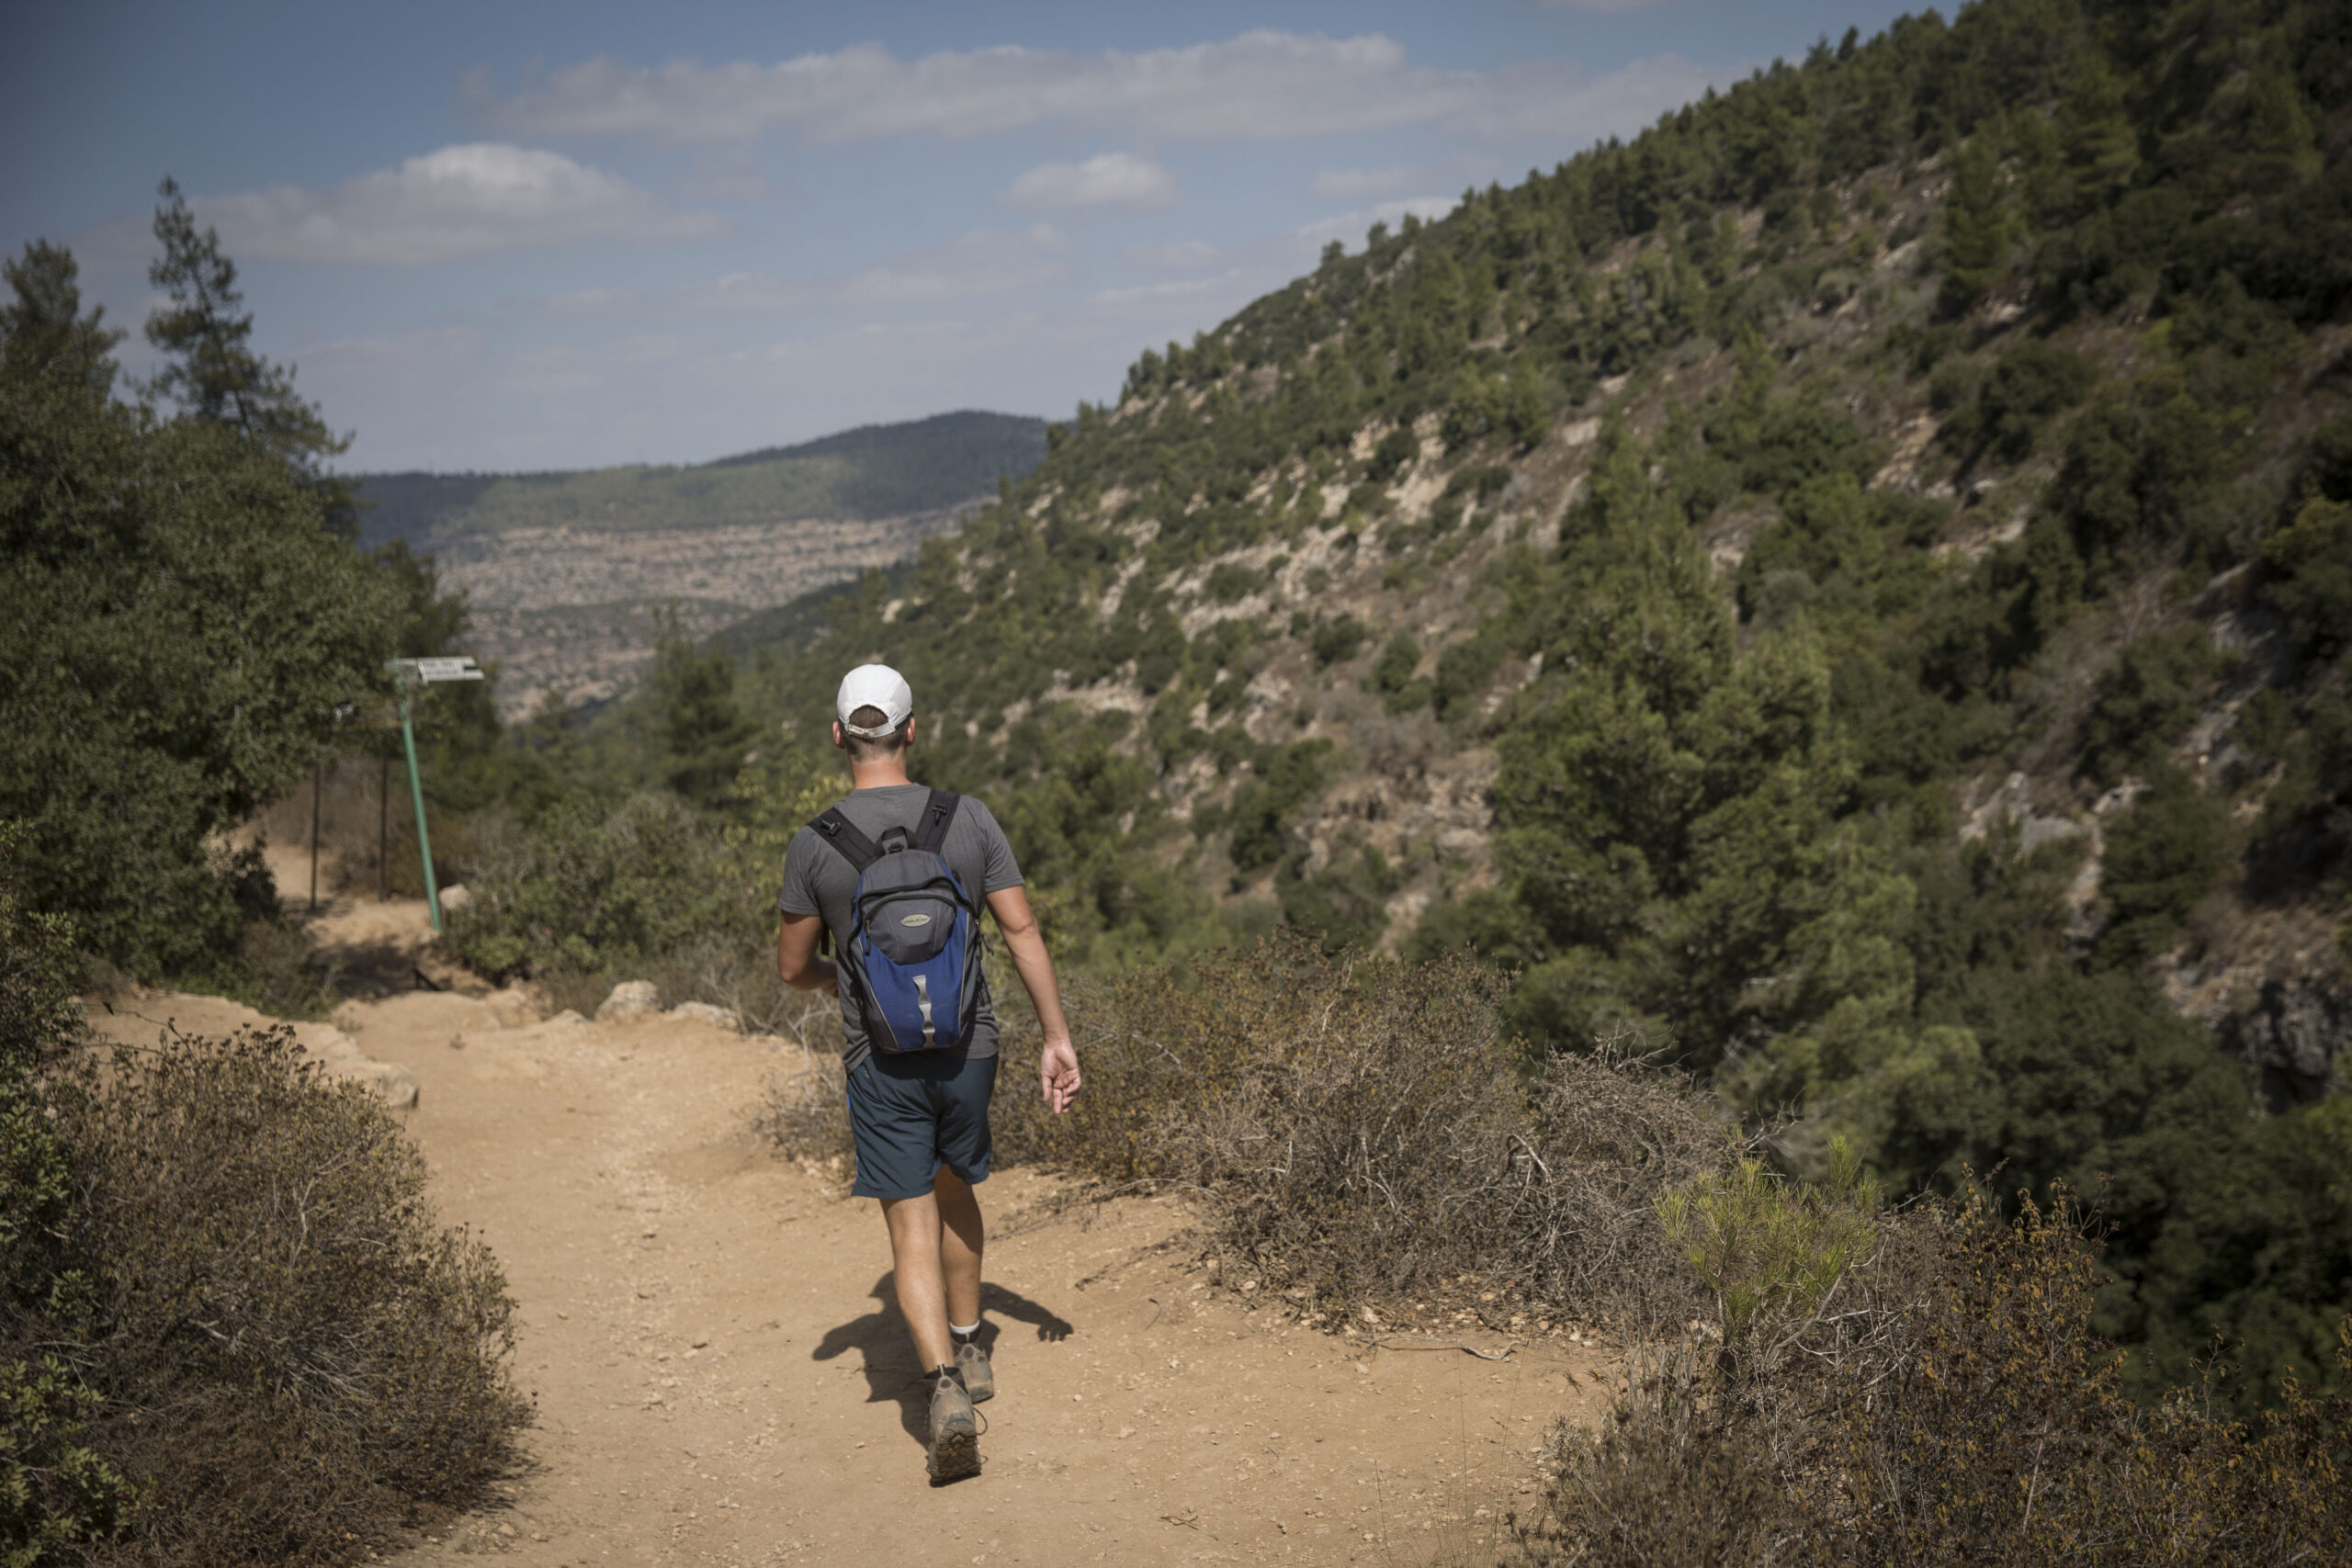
(569, 614)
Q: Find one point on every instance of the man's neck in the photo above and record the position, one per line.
(881, 773)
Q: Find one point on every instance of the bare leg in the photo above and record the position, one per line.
(962, 1237)
(914, 1263)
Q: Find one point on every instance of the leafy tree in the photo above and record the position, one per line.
(186, 628)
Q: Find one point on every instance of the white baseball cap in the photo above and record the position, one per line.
(875, 687)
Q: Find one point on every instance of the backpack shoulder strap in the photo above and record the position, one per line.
(842, 834)
(938, 812)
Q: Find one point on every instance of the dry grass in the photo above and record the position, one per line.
(1362, 1139)
(1942, 1400)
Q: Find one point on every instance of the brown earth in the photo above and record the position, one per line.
(721, 1376)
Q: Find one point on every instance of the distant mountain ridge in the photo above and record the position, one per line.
(871, 473)
(566, 573)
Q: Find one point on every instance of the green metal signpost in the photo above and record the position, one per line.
(410, 672)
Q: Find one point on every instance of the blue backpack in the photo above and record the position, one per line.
(913, 958)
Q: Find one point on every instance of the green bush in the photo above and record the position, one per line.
(1289, 776)
(56, 1491)
(604, 892)
(1343, 905)
(2161, 857)
(2028, 385)
(1392, 675)
(2144, 703)
(2309, 562)
(1337, 640)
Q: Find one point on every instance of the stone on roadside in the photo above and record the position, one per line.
(706, 1014)
(325, 1043)
(630, 999)
(394, 1082)
(455, 897)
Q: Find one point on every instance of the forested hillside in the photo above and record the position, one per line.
(1848, 588)
(874, 471)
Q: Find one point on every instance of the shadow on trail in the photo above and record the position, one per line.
(881, 1340)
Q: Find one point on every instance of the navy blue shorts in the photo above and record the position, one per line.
(910, 1115)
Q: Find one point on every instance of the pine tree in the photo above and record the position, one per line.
(1976, 228)
(703, 731)
(211, 371)
(43, 333)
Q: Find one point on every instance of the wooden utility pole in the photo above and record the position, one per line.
(318, 783)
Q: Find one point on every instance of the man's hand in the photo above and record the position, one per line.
(1058, 1073)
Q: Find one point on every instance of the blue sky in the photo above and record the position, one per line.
(510, 237)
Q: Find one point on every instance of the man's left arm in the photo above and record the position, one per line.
(1058, 1064)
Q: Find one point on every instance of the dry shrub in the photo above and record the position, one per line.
(283, 1351)
(1362, 1136)
(805, 1113)
(1945, 1401)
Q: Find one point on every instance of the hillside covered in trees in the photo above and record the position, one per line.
(1848, 588)
(874, 471)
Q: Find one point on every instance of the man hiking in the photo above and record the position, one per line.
(896, 874)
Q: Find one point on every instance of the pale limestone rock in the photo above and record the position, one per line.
(706, 1014)
(394, 1082)
(630, 999)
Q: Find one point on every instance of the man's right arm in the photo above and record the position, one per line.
(1058, 1064)
(795, 955)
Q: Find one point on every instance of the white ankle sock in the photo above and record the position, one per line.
(967, 1332)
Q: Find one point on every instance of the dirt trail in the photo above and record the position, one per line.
(722, 1377)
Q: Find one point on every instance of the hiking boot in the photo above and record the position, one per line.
(954, 1429)
(980, 1381)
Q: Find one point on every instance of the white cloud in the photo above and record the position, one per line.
(1397, 180)
(467, 201)
(1183, 255)
(1107, 179)
(1525, 103)
(1351, 227)
(985, 261)
(1260, 85)
(1177, 288)
(982, 262)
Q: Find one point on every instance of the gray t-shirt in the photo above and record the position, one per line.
(819, 880)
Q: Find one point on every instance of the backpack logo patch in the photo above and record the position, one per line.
(915, 920)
